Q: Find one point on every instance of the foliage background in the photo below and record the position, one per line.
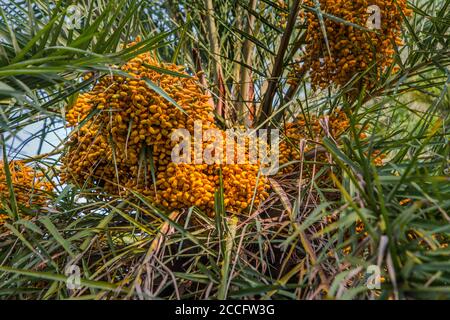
(282, 250)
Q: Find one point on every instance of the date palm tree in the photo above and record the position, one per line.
(305, 240)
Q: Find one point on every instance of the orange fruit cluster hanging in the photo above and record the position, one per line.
(337, 52)
(3, 218)
(31, 189)
(125, 139)
(310, 129)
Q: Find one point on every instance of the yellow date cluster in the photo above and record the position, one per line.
(121, 139)
(305, 135)
(336, 51)
(31, 189)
